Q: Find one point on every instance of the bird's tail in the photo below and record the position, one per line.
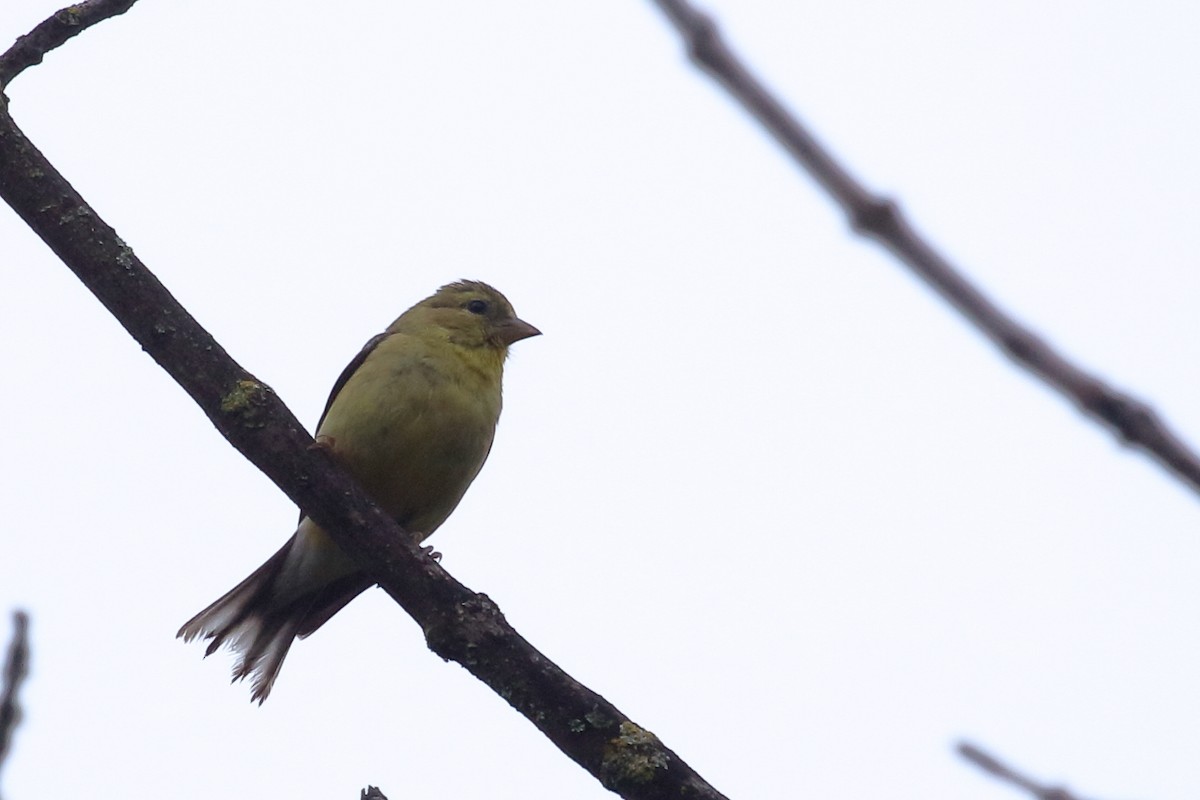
(291, 595)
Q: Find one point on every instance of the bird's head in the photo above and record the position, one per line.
(468, 314)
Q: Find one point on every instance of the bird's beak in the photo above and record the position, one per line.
(514, 330)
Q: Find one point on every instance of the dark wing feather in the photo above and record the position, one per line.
(350, 369)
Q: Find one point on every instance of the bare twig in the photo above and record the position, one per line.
(458, 623)
(16, 666)
(61, 26)
(1132, 420)
(1006, 773)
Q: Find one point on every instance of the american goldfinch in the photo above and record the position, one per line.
(412, 418)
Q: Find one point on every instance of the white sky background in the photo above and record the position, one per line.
(756, 484)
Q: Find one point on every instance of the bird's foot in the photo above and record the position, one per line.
(323, 442)
(434, 554)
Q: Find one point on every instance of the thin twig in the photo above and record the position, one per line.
(1006, 773)
(459, 624)
(61, 26)
(16, 667)
(1133, 421)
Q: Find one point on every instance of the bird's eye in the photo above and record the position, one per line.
(477, 306)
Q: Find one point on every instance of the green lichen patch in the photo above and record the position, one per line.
(247, 400)
(635, 755)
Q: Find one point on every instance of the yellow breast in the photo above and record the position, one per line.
(415, 423)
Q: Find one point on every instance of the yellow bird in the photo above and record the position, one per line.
(412, 418)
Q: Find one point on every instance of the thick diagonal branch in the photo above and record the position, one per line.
(459, 624)
(879, 218)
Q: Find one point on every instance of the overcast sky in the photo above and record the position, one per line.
(756, 484)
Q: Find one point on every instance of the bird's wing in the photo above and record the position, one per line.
(350, 369)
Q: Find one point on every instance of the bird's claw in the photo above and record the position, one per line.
(323, 442)
(434, 554)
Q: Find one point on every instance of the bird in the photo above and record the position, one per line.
(412, 418)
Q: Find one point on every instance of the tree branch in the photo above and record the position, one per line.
(459, 624)
(61, 26)
(1134, 422)
(1006, 773)
(16, 667)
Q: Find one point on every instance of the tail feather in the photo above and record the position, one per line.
(262, 659)
(246, 620)
(295, 592)
(332, 599)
